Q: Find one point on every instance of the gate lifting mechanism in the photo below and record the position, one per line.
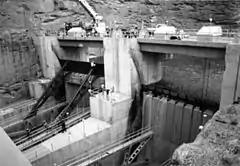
(136, 152)
(77, 97)
(54, 84)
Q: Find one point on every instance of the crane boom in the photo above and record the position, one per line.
(89, 9)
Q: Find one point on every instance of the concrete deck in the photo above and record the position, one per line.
(94, 42)
(206, 49)
(78, 132)
(190, 48)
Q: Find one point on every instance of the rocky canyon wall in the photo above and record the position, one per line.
(51, 14)
(19, 63)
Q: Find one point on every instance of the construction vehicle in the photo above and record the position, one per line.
(97, 27)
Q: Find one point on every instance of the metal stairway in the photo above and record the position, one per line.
(138, 150)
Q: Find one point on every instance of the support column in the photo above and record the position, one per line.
(149, 65)
(48, 60)
(231, 81)
(117, 65)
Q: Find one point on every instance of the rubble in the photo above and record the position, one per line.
(218, 144)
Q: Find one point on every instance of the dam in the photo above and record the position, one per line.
(131, 102)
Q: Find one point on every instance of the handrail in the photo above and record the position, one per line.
(41, 130)
(54, 132)
(21, 104)
(226, 35)
(58, 105)
(101, 149)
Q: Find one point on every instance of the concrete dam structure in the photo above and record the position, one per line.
(125, 101)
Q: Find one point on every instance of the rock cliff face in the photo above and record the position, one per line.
(19, 63)
(217, 144)
(51, 14)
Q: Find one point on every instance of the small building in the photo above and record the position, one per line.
(165, 32)
(209, 33)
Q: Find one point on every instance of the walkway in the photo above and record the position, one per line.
(106, 150)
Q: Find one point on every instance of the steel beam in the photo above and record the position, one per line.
(82, 67)
(94, 42)
(190, 48)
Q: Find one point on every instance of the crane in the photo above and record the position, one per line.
(99, 25)
(90, 10)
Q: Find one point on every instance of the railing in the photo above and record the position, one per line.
(51, 130)
(190, 35)
(16, 105)
(8, 117)
(24, 138)
(101, 150)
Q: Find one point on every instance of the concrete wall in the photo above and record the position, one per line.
(149, 66)
(196, 77)
(154, 115)
(117, 66)
(126, 67)
(18, 60)
(110, 111)
(173, 123)
(231, 83)
(76, 53)
(75, 149)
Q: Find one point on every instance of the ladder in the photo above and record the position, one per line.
(47, 93)
(74, 101)
(138, 150)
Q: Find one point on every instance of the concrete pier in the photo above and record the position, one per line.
(48, 59)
